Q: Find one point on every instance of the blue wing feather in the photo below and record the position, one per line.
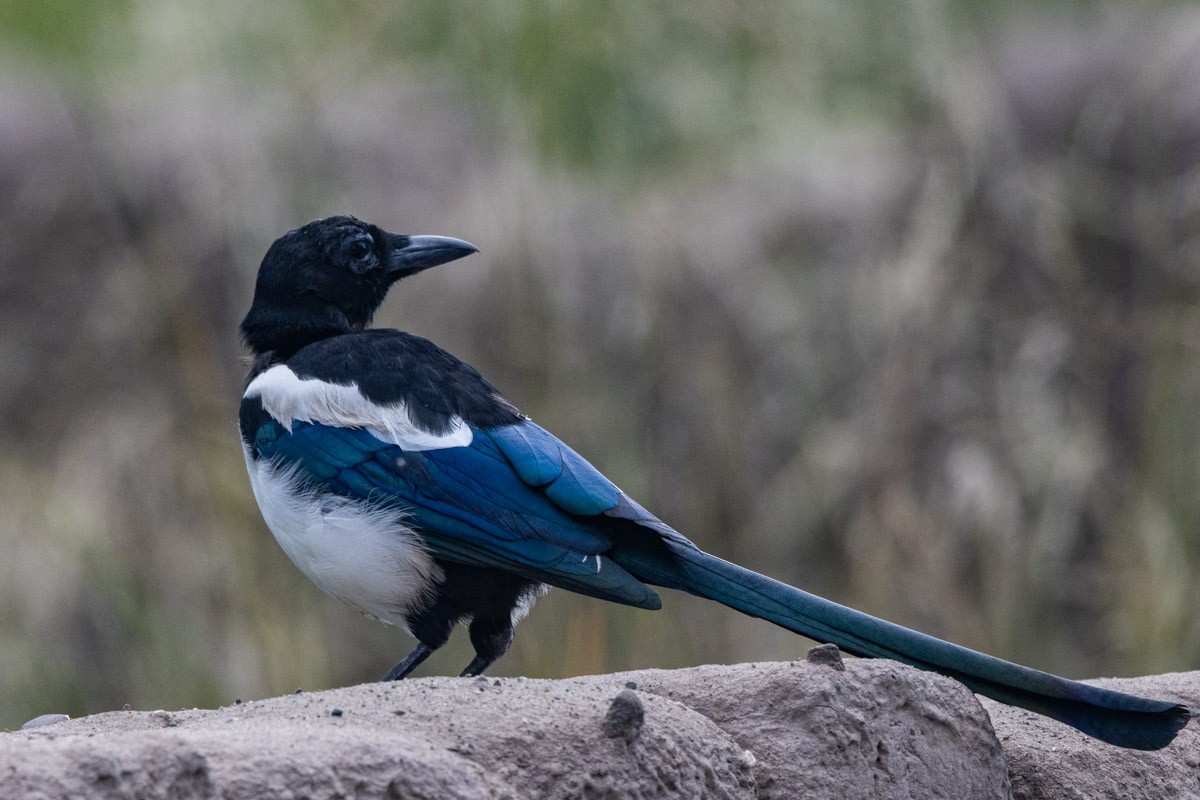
(542, 460)
(533, 451)
(517, 500)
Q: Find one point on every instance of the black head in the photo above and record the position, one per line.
(329, 277)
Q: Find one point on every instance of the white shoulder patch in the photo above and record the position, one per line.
(287, 398)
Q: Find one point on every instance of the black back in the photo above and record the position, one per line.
(390, 367)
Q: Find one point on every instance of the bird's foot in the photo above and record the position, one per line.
(476, 667)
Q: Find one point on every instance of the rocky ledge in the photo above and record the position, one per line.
(818, 728)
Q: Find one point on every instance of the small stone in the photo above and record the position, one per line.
(399, 712)
(625, 717)
(827, 655)
(43, 720)
(630, 684)
(298, 691)
(160, 713)
(337, 712)
(237, 701)
(127, 707)
(747, 759)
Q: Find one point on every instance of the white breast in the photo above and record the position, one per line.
(287, 398)
(362, 554)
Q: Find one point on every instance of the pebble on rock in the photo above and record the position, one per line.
(625, 717)
(44, 719)
(827, 655)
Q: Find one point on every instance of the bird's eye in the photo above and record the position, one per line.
(358, 249)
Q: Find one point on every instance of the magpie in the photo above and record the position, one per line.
(400, 481)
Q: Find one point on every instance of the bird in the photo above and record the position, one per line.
(399, 480)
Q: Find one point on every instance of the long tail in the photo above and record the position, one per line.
(1121, 719)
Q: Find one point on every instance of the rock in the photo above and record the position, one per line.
(44, 719)
(530, 739)
(625, 717)
(1054, 762)
(875, 729)
(827, 654)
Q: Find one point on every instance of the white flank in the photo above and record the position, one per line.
(360, 553)
(287, 398)
(525, 602)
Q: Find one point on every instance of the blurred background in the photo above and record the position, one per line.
(897, 302)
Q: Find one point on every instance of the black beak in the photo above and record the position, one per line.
(408, 255)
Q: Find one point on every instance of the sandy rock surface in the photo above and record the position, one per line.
(1048, 761)
(873, 729)
(815, 729)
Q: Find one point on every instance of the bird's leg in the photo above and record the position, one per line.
(432, 628)
(410, 662)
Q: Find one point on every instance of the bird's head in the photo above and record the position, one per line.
(329, 277)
